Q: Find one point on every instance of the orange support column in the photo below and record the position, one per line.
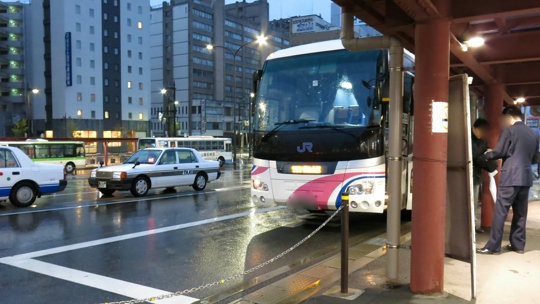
(492, 108)
(432, 48)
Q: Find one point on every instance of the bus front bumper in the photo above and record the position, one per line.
(122, 184)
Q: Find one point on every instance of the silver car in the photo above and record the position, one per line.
(156, 168)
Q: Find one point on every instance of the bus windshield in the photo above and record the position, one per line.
(147, 143)
(333, 89)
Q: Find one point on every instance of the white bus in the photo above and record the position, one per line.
(211, 148)
(321, 127)
(70, 154)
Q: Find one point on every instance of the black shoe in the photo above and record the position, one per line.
(485, 251)
(480, 230)
(512, 248)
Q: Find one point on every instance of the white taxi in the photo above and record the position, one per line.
(156, 168)
(22, 180)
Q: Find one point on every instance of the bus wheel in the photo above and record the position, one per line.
(221, 161)
(70, 167)
(23, 195)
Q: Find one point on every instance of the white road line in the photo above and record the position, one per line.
(105, 203)
(116, 286)
(128, 236)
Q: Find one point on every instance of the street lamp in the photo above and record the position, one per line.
(29, 91)
(260, 40)
(35, 91)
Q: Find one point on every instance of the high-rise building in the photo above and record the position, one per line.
(91, 61)
(193, 87)
(14, 91)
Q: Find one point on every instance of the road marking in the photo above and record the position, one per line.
(131, 290)
(128, 236)
(86, 204)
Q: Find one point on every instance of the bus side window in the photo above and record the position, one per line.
(69, 151)
(80, 151)
(42, 151)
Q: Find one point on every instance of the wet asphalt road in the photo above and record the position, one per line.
(79, 247)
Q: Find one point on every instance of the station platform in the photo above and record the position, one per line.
(504, 278)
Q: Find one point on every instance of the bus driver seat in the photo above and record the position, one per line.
(311, 113)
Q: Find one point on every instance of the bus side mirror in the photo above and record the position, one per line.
(257, 75)
(101, 163)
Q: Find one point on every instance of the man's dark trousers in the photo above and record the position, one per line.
(517, 198)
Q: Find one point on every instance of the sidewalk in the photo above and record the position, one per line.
(505, 278)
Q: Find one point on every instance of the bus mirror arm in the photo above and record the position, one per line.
(101, 163)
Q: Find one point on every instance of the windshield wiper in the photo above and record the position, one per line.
(284, 123)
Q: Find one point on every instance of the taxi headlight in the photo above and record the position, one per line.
(119, 175)
(93, 174)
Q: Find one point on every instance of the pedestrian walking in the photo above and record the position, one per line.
(480, 162)
(517, 147)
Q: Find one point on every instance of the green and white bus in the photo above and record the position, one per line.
(70, 154)
(211, 148)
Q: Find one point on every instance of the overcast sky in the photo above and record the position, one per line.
(287, 8)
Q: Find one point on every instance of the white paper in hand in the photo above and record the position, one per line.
(493, 185)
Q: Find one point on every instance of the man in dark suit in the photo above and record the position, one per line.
(517, 147)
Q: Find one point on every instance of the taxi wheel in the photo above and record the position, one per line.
(107, 192)
(23, 195)
(140, 186)
(70, 167)
(221, 161)
(200, 182)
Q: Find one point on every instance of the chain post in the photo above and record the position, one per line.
(345, 243)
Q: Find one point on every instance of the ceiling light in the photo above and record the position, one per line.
(519, 100)
(475, 42)
(470, 80)
(347, 85)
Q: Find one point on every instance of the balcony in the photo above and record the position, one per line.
(11, 16)
(6, 86)
(7, 29)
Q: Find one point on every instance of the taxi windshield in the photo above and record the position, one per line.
(144, 157)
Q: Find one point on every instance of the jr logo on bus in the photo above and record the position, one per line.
(307, 146)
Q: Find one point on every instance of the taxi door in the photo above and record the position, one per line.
(10, 171)
(166, 170)
(189, 166)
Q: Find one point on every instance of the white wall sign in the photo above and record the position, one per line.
(439, 117)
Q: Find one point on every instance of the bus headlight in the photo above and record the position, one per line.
(93, 174)
(368, 186)
(355, 190)
(364, 187)
(259, 185)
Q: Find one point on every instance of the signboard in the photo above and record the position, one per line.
(439, 117)
(309, 24)
(69, 77)
(533, 122)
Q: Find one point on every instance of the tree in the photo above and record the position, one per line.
(20, 128)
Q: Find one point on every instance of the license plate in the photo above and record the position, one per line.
(102, 184)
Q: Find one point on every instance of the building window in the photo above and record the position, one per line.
(202, 14)
(129, 22)
(116, 84)
(79, 96)
(139, 25)
(106, 99)
(105, 33)
(129, 53)
(79, 113)
(93, 80)
(202, 26)
(105, 16)
(105, 65)
(115, 35)
(130, 116)
(93, 97)
(106, 82)
(140, 55)
(105, 49)
(129, 6)
(129, 84)
(78, 61)
(91, 12)
(92, 63)
(200, 37)
(129, 69)
(130, 99)
(77, 27)
(106, 114)
(78, 44)
(139, 39)
(115, 18)
(79, 79)
(140, 100)
(92, 47)
(116, 51)
(140, 85)
(129, 37)
(140, 71)
(93, 114)
(140, 116)
(139, 9)
(77, 9)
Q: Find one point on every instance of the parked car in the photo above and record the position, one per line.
(156, 168)
(22, 180)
